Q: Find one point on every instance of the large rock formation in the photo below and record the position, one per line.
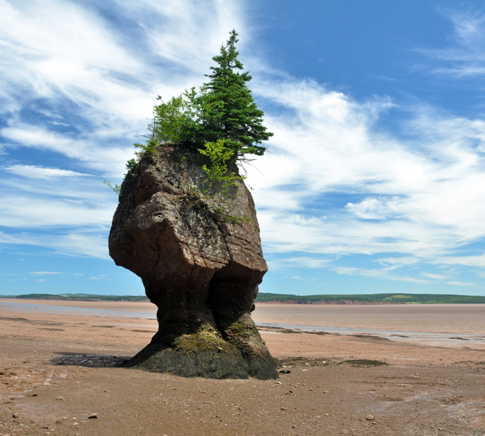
(198, 251)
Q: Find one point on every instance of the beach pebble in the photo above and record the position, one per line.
(60, 398)
(93, 416)
(284, 371)
(370, 417)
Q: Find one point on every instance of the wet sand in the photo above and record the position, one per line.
(448, 318)
(438, 325)
(57, 369)
(426, 324)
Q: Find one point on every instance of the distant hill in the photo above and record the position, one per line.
(268, 297)
(81, 297)
(370, 298)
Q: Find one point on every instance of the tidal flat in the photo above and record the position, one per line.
(60, 374)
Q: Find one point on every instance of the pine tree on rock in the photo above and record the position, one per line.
(227, 106)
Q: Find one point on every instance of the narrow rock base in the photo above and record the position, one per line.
(205, 353)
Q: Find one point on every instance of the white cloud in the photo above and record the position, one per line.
(81, 242)
(375, 208)
(186, 34)
(45, 273)
(425, 192)
(67, 49)
(31, 212)
(434, 276)
(300, 261)
(107, 159)
(396, 262)
(6, 238)
(98, 82)
(36, 172)
(464, 56)
(98, 277)
(69, 52)
(377, 273)
(459, 283)
(477, 261)
(86, 244)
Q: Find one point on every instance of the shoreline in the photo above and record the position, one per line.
(355, 320)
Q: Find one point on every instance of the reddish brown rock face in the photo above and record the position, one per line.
(199, 256)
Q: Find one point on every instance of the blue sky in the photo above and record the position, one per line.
(373, 181)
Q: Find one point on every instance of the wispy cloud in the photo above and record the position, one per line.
(377, 273)
(464, 57)
(419, 197)
(35, 172)
(459, 283)
(477, 261)
(79, 242)
(88, 87)
(300, 261)
(334, 182)
(45, 273)
(109, 160)
(434, 276)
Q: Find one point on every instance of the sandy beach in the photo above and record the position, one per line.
(58, 374)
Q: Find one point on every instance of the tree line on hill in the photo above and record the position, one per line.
(268, 297)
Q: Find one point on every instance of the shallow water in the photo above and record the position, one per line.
(427, 338)
(431, 324)
(24, 306)
(447, 325)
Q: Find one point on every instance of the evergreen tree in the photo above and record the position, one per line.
(220, 120)
(228, 110)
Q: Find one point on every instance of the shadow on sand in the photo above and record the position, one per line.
(90, 360)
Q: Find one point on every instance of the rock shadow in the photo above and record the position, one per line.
(88, 360)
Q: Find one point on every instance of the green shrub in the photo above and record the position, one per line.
(220, 153)
(178, 121)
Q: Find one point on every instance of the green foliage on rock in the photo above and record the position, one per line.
(220, 120)
(178, 121)
(217, 171)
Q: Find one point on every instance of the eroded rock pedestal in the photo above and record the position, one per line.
(199, 256)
